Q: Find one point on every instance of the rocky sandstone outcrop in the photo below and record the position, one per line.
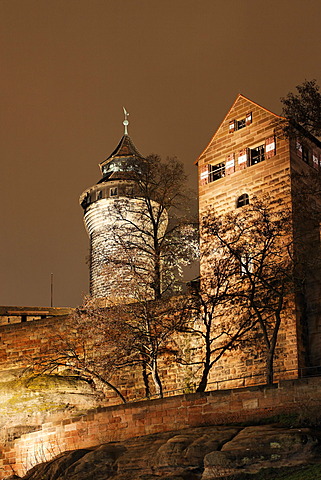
(201, 453)
(27, 401)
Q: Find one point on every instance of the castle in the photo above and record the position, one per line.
(246, 158)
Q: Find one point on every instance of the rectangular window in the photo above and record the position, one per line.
(99, 195)
(246, 264)
(113, 192)
(216, 172)
(129, 191)
(305, 154)
(257, 155)
(240, 124)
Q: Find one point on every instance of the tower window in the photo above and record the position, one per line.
(246, 264)
(216, 172)
(240, 124)
(99, 195)
(113, 192)
(257, 155)
(305, 154)
(130, 191)
(242, 200)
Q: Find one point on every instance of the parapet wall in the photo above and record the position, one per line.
(21, 342)
(12, 314)
(142, 418)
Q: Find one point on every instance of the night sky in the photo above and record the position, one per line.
(67, 69)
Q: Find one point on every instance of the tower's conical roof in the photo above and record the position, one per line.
(125, 148)
(124, 159)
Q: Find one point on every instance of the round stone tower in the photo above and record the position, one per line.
(118, 226)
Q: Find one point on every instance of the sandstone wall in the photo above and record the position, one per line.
(269, 177)
(306, 201)
(21, 344)
(143, 418)
(299, 340)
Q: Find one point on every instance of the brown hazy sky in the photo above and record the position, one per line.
(68, 67)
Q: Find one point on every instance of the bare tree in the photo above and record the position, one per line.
(304, 108)
(216, 330)
(93, 344)
(98, 344)
(214, 314)
(156, 233)
(154, 326)
(258, 243)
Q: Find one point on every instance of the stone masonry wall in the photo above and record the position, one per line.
(269, 177)
(21, 344)
(143, 418)
(306, 200)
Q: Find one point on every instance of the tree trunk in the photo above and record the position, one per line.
(157, 278)
(271, 350)
(203, 383)
(269, 368)
(145, 379)
(96, 376)
(156, 379)
(207, 362)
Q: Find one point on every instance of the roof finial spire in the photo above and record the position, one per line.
(125, 122)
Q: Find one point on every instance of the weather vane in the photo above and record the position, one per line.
(125, 122)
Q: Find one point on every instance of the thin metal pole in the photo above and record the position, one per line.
(51, 290)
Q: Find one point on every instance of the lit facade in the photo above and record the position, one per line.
(248, 157)
(118, 224)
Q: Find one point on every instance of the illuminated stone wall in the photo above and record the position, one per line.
(121, 422)
(120, 232)
(246, 127)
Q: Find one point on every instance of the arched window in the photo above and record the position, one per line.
(242, 200)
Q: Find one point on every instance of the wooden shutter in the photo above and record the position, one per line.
(203, 174)
(298, 147)
(242, 159)
(231, 126)
(248, 119)
(315, 160)
(230, 164)
(270, 147)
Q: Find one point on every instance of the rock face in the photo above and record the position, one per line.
(254, 448)
(26, 402)
(202, 453)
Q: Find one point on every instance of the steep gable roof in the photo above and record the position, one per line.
(239, 99)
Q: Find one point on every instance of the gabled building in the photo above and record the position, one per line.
(247, 157)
